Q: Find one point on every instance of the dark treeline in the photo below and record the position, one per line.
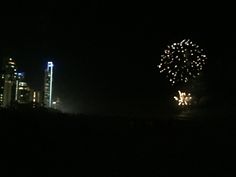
(48, 143)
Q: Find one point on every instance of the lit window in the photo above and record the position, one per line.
(22, 84)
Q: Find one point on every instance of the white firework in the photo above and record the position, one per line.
(184, 99)
(182, 61)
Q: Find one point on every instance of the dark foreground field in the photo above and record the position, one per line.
(41, 144)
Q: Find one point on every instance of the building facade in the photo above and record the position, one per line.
(14, 90)
(48, 85)
(8, 80)
(22, 95)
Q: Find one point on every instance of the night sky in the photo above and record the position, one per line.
(106, 54)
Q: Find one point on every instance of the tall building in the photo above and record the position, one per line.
(48, 82)
(22, 95)
(8, 87)
(35, 98)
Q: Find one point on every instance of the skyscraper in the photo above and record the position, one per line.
(48, 81)
(7, 95)
(22, 95)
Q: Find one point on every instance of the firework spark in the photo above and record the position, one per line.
(183, 99)
(182, 61)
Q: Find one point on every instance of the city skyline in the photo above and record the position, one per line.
(14, 89)
(112, 88)
(106, 64)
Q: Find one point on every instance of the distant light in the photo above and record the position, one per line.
(50, 64)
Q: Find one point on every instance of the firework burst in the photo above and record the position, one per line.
(182, 61)
(184, 99)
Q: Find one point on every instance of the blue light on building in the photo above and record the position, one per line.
(48, 83)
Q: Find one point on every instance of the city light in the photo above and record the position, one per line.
(15, 89)
(50, 65)
(34, 97)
